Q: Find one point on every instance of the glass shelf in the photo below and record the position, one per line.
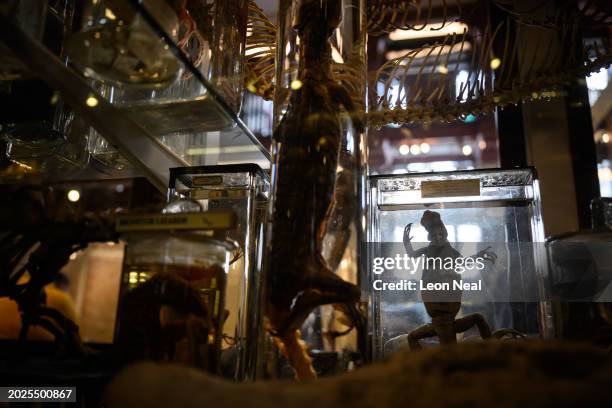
(151, 137)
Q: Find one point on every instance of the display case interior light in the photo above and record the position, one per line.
(429, 31)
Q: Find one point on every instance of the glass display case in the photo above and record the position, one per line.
(135, 69)
(132, 76)
(37, 133)
(173, 288)
(318, 186)
(580, 264)
(242, 189)
(455, 256)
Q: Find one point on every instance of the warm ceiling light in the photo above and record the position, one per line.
(467, 150)
(495, 63)
(296, 84)
(404, 150)
(605, 138)
(251, 86)
(108, 13)
(415, 149)
(442, 69)
(429, 31)
(91, 101)
(425, 148)
(73, 195)
(201, 151)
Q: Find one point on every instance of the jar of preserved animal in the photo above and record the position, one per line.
(456, 256)
(172, 299)
(317, 206)
(117, 45)
(133, 67)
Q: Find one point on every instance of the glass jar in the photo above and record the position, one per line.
(580, 265)
(243, 189)
(45, 148)
(316, 215)
(456, 256)
(172, 299)
(211, 34)
(32, 146)
(116, 45)
(30, 16)
(38, 133)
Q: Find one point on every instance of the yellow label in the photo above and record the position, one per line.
(188, 221)
(217, 194)
(228, 194)
(450, 188)
(207, 180)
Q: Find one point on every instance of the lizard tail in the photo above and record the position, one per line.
(296, 353)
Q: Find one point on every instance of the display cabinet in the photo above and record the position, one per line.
(109, 100)
(455, 256)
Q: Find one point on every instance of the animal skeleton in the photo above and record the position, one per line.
(260, 50)
(420, 85)
(388, 15)
(417, 86)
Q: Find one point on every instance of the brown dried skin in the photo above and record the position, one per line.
(165, 319)
(308, 142)
(340, 215)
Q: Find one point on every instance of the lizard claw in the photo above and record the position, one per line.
(508, 334)
(487, 254)
(407, 236)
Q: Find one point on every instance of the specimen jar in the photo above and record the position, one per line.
(36, 134)
(175, 100)
(116, 45)
(316, 217)
(481, 230)
(38, 148)
(172, 296)
(243, 189)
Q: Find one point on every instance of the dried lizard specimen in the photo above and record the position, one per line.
(443, 306)
(308, 141)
